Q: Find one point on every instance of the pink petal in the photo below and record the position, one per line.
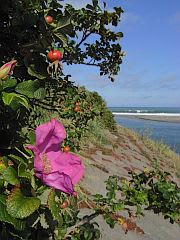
(49, 136)
(58, 181)
(38, 164)
(9, 67)
(66, 163)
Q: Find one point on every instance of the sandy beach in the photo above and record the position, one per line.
(161, 118)
(175, 119)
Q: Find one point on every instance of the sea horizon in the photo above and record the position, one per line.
(156, 111)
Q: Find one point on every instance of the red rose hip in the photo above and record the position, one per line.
(66, 149)
(48, 19)
(54, 55)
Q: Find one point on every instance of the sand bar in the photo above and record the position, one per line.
(161, 117)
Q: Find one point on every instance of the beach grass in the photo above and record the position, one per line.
(97, 134)
(158, 148)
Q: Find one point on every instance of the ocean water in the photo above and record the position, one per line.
(167, 132)
(150, 110)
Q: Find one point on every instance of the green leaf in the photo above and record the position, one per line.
(40, 93)
(118, 206)
(10, 83)
(17, 159)
(5, 217)
(23, 172)
(61, 37)
(109, 221)
(65, 26)
(63, 22)
(32, 139)
(10, 98)
(27, 88)
(22, 100)
(20, 206)
(33, 72)
(9, 175)
(55, 210)
(7, 98)
(31, 89)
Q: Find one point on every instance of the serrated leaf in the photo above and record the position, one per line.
(40, 93)
(5, 217)
(63, 22)
(10, 83)
(17, 159)
(55, 210)
(23, 172)
(9, 98)
(33, 72)
(65, 26)
(61, 37)
(27, 88)
(9, 175)
(20, 206)
(22, 100)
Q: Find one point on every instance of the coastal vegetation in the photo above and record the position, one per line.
(46, 120)
(158, 148)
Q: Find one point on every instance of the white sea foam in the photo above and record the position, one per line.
(147, 114)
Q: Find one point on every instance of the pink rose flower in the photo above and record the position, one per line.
(7, 69)
(55, 168)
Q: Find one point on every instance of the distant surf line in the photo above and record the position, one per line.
(147, 114)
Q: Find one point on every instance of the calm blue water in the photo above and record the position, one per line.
(167, 132)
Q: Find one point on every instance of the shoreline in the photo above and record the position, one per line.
(150, 117)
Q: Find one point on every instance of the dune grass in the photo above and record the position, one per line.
(97, 134)
(158, 148)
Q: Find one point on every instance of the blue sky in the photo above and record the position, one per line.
(150, 73)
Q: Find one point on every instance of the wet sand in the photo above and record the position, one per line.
(174, 119)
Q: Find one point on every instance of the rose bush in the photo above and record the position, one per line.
(37, 196)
